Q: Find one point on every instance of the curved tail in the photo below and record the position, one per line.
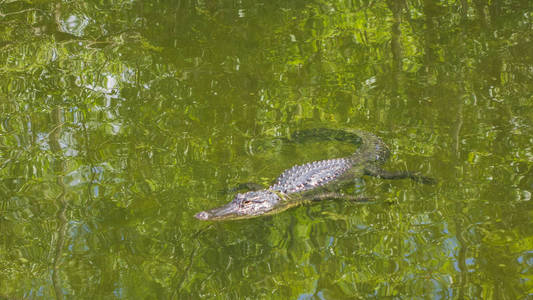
(371, 148)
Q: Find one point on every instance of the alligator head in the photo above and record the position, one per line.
(248, 205)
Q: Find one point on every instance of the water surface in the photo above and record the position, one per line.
(119, 120)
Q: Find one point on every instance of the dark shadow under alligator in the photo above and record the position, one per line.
(313, 181)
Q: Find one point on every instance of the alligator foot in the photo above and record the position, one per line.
(399, 175)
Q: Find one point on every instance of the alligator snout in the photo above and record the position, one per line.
(203, 215)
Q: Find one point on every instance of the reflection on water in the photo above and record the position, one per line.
(119, 121)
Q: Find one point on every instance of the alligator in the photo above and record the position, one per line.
(314, 181)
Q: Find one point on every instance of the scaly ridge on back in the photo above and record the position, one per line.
(308, 176)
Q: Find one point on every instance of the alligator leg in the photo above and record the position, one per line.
(341, 196)
(380, 173)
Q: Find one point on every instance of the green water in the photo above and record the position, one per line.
(119, 120)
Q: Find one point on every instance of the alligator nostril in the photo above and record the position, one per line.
(202, 215)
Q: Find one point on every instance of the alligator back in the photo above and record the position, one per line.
(312, 175)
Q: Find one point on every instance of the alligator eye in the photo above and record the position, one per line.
(244, 203)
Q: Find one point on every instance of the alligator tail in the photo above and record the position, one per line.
(371, 148)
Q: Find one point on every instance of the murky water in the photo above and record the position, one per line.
(121, 120)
